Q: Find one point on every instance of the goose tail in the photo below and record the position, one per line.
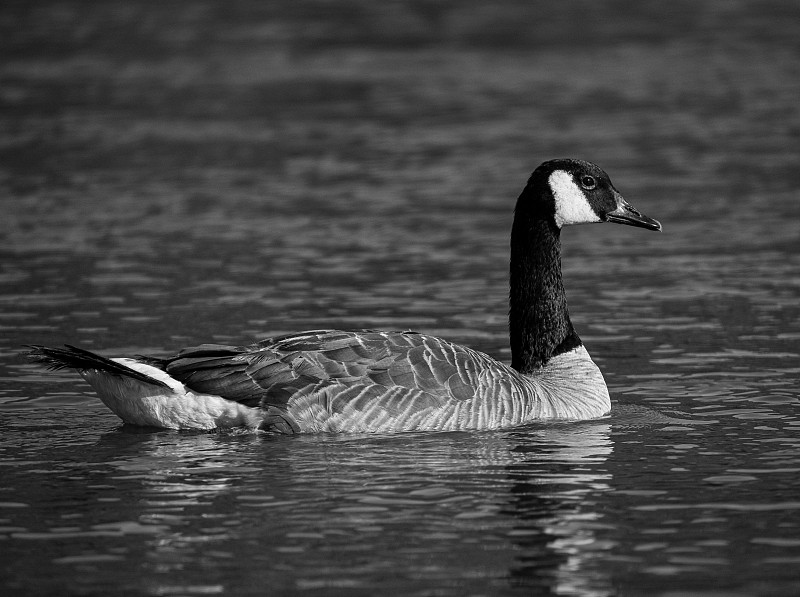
(72, 357)
(141, 393)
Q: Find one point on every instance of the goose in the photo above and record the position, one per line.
(391, 381)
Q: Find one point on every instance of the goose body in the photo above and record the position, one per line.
(376, 381)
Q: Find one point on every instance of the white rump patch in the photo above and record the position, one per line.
(176, 407)
(571, 204)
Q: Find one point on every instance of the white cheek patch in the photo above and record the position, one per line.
(571, 204)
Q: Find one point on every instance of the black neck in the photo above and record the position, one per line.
(539, 324)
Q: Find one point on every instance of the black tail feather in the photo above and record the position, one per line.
(73, 357)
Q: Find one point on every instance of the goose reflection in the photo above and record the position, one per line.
(533, 493)
(558, 477)
(519, 508)
(184, 485)
(177, 469)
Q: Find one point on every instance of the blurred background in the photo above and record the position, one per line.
(173, 173)
(262, 153)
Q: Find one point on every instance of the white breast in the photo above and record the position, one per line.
(571, 386)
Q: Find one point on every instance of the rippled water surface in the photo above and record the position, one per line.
(196, 171)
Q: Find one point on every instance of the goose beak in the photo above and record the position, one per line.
(626, 214)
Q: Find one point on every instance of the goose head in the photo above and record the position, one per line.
(559, 193)
(578, 192)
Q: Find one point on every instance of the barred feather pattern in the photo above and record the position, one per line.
(570, 387)
(389, 382)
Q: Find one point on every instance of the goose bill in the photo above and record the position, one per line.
(626, 214)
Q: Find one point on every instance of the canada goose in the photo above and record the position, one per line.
(374, 381)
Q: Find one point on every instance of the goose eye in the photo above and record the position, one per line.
(588, 182)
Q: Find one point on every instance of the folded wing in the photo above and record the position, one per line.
(355, 371)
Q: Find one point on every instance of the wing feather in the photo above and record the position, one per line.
(386, 373)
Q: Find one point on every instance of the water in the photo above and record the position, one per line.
(192, 172)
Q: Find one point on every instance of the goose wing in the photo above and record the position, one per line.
(357, 365)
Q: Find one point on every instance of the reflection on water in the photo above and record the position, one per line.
(320, 509)
(172, 176)
(554, 501)
(558, 508)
